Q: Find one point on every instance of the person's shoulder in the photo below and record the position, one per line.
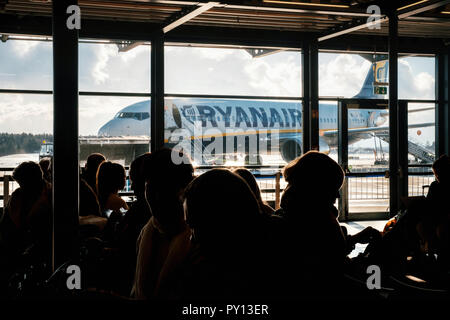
(16, 198)
(115, 202)
(17, 193)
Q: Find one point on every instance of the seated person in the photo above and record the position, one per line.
(229, 256)
(314, 243)
(130, 226)
(110, 180)
(46, 167)
(90, 169)
(435, 228)
(440, 188)
(89, 205)
(164, 240)
(251, 181)
(27, 218)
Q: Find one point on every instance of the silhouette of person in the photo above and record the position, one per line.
(228, 237)
(26, 220)
(314, 244)
(164, 240)
(89, 205)
(435, 228)
(46, 167)
(110, 180)
(251, 181)
(90, 169)
(132, 223)
(440, 188)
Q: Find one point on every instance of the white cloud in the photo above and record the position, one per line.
(279, 78)
(23, 48)
(215, 54)
(342, 76)
(26, 113)
(102, 55)
(413, 85)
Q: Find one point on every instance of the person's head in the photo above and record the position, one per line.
(29, 176)
(316, 176)
(46, 167)
(441, 169)
(110, 180)
(251, 181)
(221, 209)
(136, 174)
(93, 161)
(165, 180)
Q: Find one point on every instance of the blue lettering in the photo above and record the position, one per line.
(258, 115)
(275, 117)
(207, 113)
(226, 115)
(242, 116)
(296, 115)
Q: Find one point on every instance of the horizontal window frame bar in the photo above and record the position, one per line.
(235, 97)
(81, 93)
(406, 100)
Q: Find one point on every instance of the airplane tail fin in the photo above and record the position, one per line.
(377, 75)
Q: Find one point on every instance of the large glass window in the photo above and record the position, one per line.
(252, 126)
(235, 107)
(102, 68)
(421, 147)
(114, 109)
(230, 71)
(365, 76)
(26, 64)
(342, 74)
(26, 120)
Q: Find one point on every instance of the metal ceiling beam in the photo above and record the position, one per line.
(420, 8)
(401, 14)
(185, 16)
(174, 21)
(277, 8)
(143, 31)
(357, 25)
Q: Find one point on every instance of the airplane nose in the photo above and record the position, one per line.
(109, 129)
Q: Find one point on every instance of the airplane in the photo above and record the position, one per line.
(206, 120)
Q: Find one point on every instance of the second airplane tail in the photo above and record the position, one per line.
(377, 74)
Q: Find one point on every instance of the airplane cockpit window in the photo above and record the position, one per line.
(130, 115)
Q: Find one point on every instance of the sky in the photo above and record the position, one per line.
(28, 65)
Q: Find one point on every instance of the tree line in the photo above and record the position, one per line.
(11, 143)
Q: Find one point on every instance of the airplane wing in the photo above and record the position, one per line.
(330, 133)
